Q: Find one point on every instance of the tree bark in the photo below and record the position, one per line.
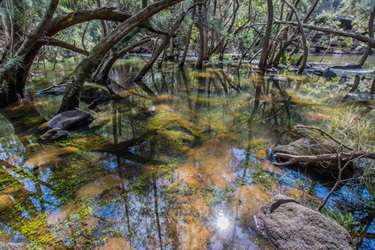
(363, 58)
(160, 48)
(186, 49)
(103, 75)
(82, 71)
(365, 39)
(266, 39)
(344, 156)
(10, 89)
(13, 75)
(304, 43)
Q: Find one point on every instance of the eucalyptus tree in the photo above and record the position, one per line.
(76, 80)
(24, 38)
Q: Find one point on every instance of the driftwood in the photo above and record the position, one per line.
(349, 154)
(343, 156)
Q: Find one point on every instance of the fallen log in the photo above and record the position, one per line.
(342, 156)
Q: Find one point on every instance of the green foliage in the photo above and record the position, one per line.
(262, 177)
(344, 218)
(287, 59)
(69, 179)
(82, 141)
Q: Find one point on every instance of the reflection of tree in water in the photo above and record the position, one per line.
(148, 202)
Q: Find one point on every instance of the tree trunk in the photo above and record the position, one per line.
(363, 59)
(304, 43)
(186, 49)
(13, 75)
(290, 39)
(10, 88)
(160, 48)
(82, 71)
(103, 75)
(365, 39)
(199, 25)
(266, 40)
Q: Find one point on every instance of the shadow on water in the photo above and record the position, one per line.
(183, 168)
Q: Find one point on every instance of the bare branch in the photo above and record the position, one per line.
(322, 132)
(365, 39)
(62, 44)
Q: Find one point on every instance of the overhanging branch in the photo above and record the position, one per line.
(62, 44)
(365, 39)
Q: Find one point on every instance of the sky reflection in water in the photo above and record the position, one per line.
(173, 202)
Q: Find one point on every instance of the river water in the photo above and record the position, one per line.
(183, 169)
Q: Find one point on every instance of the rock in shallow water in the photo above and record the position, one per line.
(57, 125)
(289, 225)
(69, 119)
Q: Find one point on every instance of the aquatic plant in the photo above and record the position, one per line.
(342, 217)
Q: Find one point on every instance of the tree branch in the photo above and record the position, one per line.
(344, 156)
(365, 39)
(109, 14)
(322, 132)
(62, 44)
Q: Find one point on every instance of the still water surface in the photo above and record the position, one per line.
(183, 169)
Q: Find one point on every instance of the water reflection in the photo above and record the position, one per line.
(183, 169)
(222, 221)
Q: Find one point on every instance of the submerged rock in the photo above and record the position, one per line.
(57, 126)
(312, 147)
(289, 225)
(246, 200)
(100, 185)
(61, 214)
(54, 134)
(69, 119)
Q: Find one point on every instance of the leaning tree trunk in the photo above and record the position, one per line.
(304, 43)
(160, 48)
(290, 39)
(186, 49)
(76, 80)
(363, 59)
(103, 75)
(266, 40)
(10, 89)
(18, 69)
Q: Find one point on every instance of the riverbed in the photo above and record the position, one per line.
(200, 166)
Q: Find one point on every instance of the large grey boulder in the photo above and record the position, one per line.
(312, 147)
(289, 225)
